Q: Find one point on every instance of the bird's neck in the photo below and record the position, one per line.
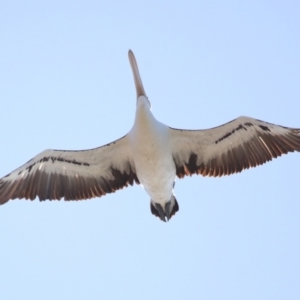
(143, 115)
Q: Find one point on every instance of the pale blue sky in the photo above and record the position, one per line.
(66, 83)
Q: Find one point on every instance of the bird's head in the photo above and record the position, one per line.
(140, 92)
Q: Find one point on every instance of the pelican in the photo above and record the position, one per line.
(152, 154)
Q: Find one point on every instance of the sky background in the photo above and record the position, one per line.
(66, 83)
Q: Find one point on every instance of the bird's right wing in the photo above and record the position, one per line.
(72, 175)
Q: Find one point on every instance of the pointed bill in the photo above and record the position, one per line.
(136, 75)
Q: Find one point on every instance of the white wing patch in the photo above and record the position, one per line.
(232, 147)
(72, 175)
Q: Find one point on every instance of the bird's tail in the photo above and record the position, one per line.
(167, 212)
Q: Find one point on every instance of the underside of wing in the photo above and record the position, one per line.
(231, 148)
(72, 175)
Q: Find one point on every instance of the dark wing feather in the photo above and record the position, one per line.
(231, 148)
(72, 175)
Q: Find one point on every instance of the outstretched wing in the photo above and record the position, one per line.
(72, 175)
(240, 144)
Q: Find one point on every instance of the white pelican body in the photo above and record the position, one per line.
(152, 154)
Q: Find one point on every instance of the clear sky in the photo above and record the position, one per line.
(66, 83)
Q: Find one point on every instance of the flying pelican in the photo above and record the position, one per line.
(151, 154)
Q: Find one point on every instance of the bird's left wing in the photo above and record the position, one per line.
(72, 175)
(230, 148)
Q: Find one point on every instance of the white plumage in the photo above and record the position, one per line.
(152, 154)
